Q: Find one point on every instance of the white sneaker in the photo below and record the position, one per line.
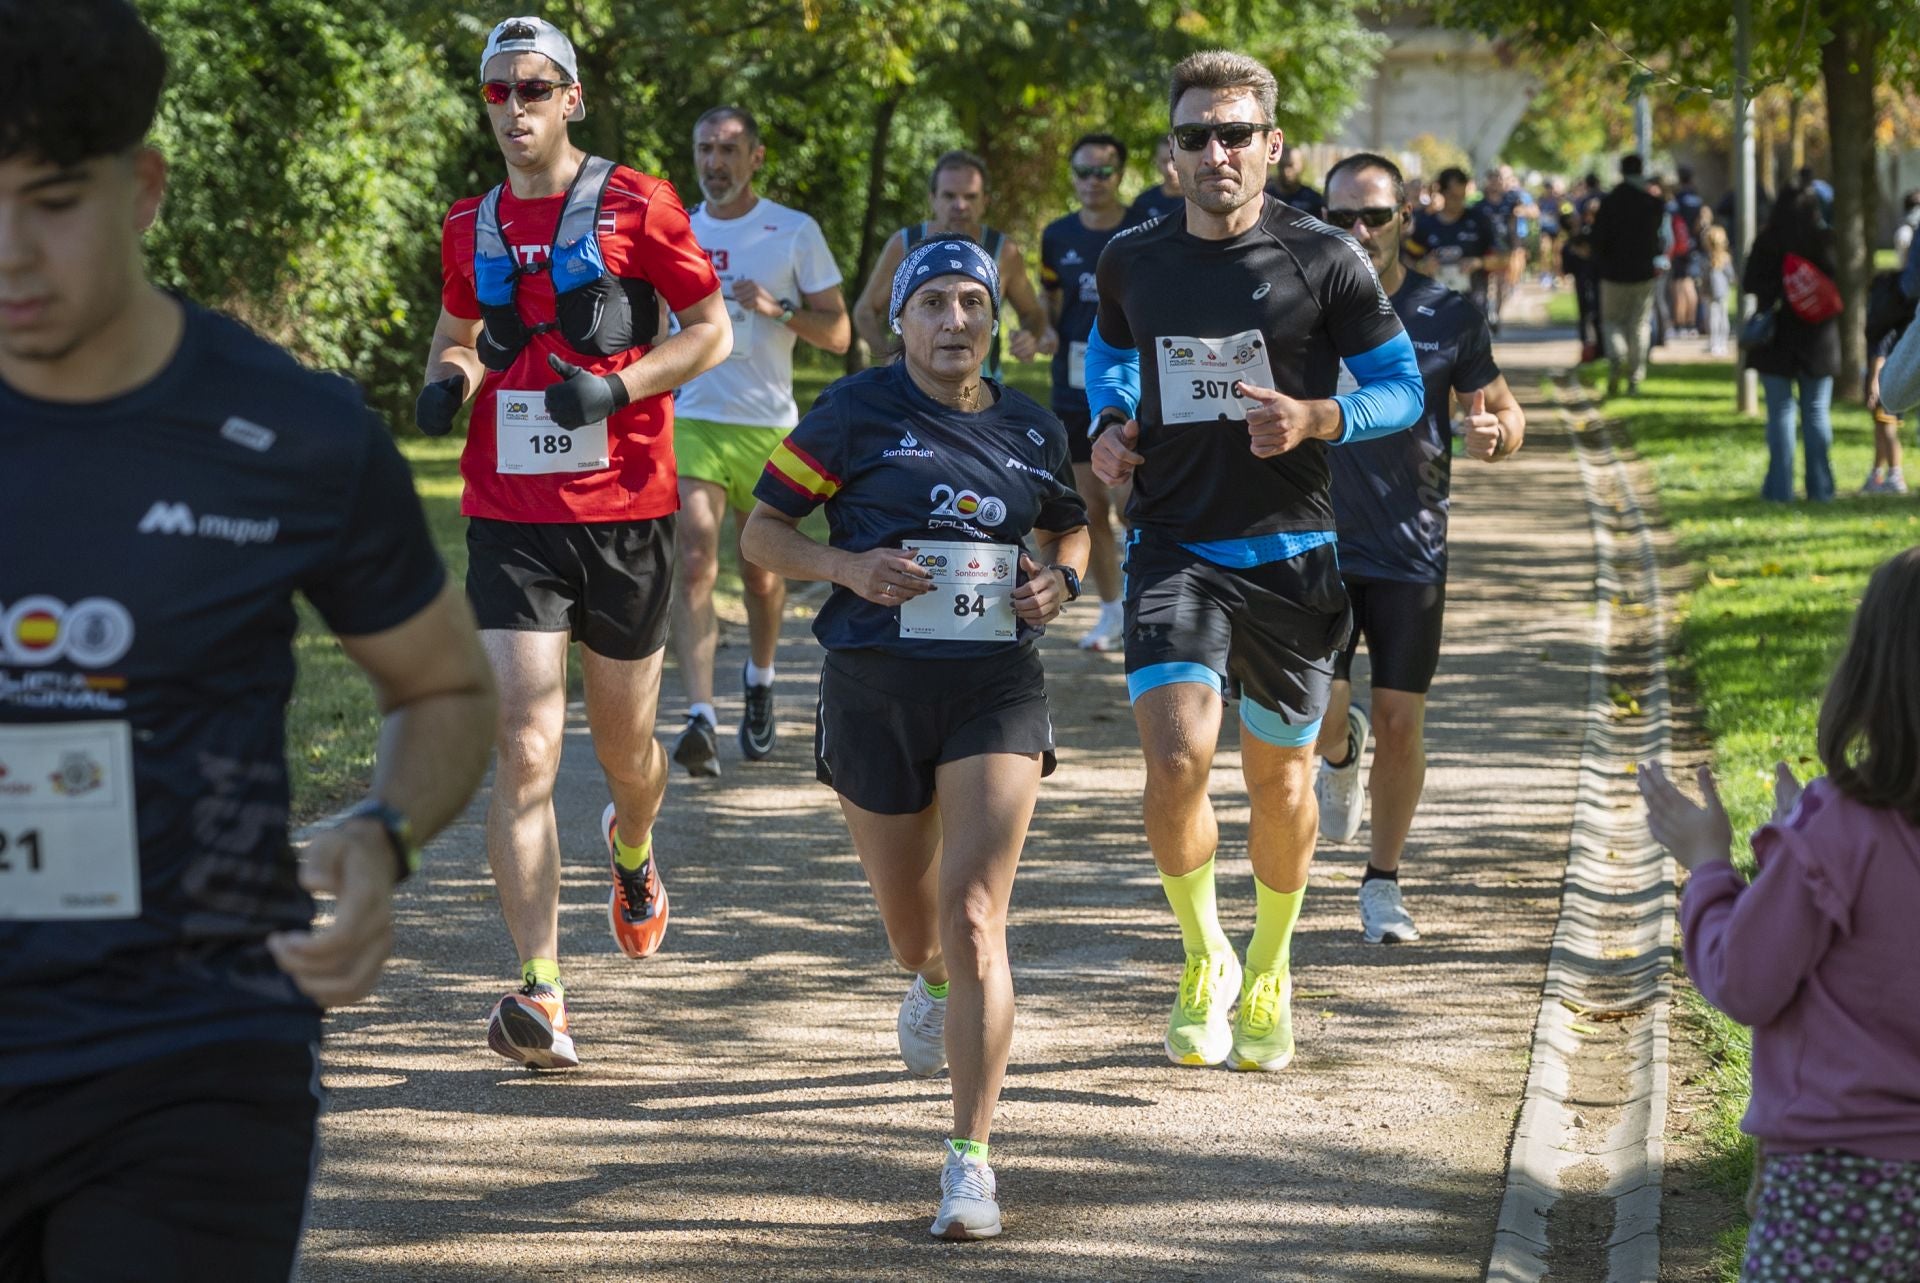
(1383, 915)
(1338, 788)
(1109, 629)
(923, 1030)
(969, 1206)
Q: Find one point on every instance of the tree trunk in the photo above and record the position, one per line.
(1848, 65)
(883, 113)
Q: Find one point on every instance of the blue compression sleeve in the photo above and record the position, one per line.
(1113, 375)
(1391, 397)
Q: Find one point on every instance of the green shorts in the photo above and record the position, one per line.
(729, 455)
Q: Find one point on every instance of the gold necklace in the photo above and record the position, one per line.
(970, 398)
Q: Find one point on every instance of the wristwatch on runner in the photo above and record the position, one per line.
(787, 310)
(399, 831)
(1111, 416)
(1072, 579)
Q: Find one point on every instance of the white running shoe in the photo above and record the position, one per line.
(1383, 914)
(1339, 789)
(969, 1206)
(1109, 630)
(923, 1030)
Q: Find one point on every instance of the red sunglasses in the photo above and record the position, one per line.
(497, 92)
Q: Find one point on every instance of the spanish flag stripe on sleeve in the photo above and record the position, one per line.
(801, 472)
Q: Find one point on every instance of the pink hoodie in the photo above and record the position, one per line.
(1821, 955)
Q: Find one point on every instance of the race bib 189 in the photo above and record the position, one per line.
(1197, 376)
(527, 442)
(69, 847)
(972, 597)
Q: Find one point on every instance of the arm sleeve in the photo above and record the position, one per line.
(456, 266)
(1113, 375)
(1391, 396)
(383, 569)
(816, 269)
(1750, 948)
(1474, 367)
(808, 468)
(665, 253)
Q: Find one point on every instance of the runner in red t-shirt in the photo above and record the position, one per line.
(571, 493)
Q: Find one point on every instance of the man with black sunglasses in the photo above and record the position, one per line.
(1212, 373)
(1070, 249)
(549, 309)
(1390, 496)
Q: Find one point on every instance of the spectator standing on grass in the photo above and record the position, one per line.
(1625, 238)
(1816, 955)
(1797, 367)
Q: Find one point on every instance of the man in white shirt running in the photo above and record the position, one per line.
(781, 285)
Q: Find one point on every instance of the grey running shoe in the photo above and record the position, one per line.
(757, 727)
(1383, 915)
(698, 748)
(1342, 799)
(969, 1204)
(922, 1027)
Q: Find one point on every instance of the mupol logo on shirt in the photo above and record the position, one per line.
(165, 518)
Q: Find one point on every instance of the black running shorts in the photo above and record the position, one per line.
(605, 583)
(1267, 633)
(182, 1169)
(1400, 622)
(884, 722)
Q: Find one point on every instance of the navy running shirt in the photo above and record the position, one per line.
(1473, 234)
(1151, 204)
(1292, 295)
(154, 544)
(1069, 253)
(1390, 493)
(895, 468)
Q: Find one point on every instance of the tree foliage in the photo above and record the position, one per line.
(315, 144)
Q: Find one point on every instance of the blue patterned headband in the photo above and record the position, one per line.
(948, 256)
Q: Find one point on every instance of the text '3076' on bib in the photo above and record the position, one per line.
(1197, 376)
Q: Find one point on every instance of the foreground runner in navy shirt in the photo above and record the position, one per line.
(171, 481)
(1390, 496)
(933, 723)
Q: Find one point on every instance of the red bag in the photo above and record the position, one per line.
(1810, 292)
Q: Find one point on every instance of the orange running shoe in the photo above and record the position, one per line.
(530, 1026)
(637, 905)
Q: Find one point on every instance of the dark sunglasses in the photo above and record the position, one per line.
(1372, 216)
(1095, 171)
(498, 91)
(1233, 135)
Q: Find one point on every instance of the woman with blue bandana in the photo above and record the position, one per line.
(932, 698)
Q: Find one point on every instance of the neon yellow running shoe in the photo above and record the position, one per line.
(1200, 1031)
(1263, 1029)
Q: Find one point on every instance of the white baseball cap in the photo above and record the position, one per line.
(536, 35)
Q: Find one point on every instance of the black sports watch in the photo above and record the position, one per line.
(1072, 577)
(399, 831)
(1107, 418)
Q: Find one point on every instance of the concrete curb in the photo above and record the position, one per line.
(1612, 950)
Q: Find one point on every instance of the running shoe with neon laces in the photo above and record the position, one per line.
(1263, 1028)
(1200, 1031)
(922, 1027)
(1338, 788)
(757, 727)
(698, 748)
(1383, 914)
(637, 905)
(969, 1199)
(530, 1026)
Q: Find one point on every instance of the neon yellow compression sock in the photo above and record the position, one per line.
(937, 991)
(631, 857)
(1191, 896)
(964, 1148)
(543, 971)
(1274, 915)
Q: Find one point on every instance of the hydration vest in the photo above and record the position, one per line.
(595, 311)
(991, 239)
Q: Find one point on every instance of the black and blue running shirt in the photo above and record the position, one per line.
(1391, 493)
(895, 468)
(1069, 253)
(154, 546)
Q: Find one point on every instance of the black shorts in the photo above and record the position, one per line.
(1401, 624)
(185, 1168)
(1267, 633)
(884, 722)
(1079, 447)
(605, 583)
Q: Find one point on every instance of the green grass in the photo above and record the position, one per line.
(332, 725)
(1563, 308)
(1759, 633)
